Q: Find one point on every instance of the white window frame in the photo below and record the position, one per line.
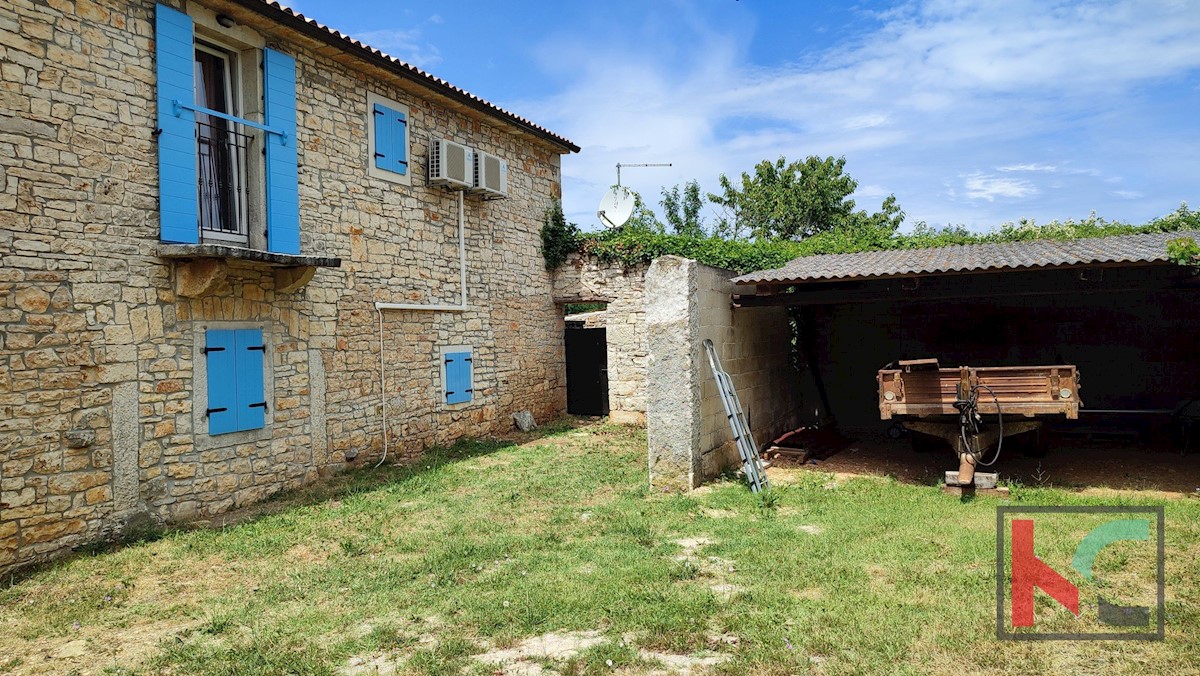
(233, 93)
(372, 170)
(248, 44)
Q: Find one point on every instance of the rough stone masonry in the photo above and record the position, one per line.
(102, 374)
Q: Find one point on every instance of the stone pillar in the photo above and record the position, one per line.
(673, 406)
(316, 410)
(125, 440)
(687, 429)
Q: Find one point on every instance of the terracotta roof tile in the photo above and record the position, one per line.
(275, 10)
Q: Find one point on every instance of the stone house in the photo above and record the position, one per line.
(241, 250)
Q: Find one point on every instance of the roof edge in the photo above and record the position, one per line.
(310, 27)
(784, 275)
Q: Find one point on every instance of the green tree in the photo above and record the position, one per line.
(797, 200)
(683, 211)
(642, 219)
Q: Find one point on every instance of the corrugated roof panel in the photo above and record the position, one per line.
(1139, 248)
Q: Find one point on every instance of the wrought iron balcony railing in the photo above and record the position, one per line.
(222, 149)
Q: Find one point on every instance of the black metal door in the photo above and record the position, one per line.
(587, 372)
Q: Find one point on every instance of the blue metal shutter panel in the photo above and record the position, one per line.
(251, 399)
(175, 53)
(458, 377)
(381, 118)
(283, 194)
(221, 370)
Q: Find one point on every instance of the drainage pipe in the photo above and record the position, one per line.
(461, 307)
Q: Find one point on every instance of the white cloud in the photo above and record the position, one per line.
(1128, 194)
(406, 45)
(1046, 168)
(942, 84)
(982, 187)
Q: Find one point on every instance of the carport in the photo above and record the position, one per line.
(1114, 306)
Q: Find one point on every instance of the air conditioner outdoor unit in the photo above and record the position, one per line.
(491, 175)
(451, 164)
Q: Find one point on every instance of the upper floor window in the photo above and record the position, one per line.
(222, 146)
(226, 135)
(387, 139)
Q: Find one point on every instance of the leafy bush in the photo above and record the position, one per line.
(634, 246)
(1184, 251)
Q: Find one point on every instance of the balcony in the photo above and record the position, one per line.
(223, 192)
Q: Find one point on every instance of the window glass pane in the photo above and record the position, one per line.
(220, 146)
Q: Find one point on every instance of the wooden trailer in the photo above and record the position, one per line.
(951, 403)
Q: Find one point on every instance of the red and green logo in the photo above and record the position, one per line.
(1100, 571)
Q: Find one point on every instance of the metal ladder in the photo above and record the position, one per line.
(752, 466)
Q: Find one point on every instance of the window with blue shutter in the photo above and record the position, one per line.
(391, 139)
(179, 155)
(458, 377)
(236, 398)
(178, 202)
(283, 195)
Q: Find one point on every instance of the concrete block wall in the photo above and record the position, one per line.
(688, 433)
(101, 418)
(754, 345)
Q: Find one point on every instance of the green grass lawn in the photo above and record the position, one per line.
(479, 548)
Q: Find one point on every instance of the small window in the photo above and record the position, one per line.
(235, 380)
(387, 138)
(391, 128)
(456, 374)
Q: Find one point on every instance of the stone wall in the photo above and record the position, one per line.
(584, 279)
(101, 373)
(687, 429)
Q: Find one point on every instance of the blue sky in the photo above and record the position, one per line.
(969, 111)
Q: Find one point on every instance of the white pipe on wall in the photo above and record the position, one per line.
(462, 275)
(461, 307)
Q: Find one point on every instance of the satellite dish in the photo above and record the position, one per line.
(615, 207)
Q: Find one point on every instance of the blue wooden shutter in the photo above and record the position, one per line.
(221, 369)
(391, 136)
(458, 377)
(383, 137)
(399, 142)
(283, 195)
(251, 402)
(175, 53)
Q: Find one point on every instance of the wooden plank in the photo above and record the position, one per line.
(796, 454)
